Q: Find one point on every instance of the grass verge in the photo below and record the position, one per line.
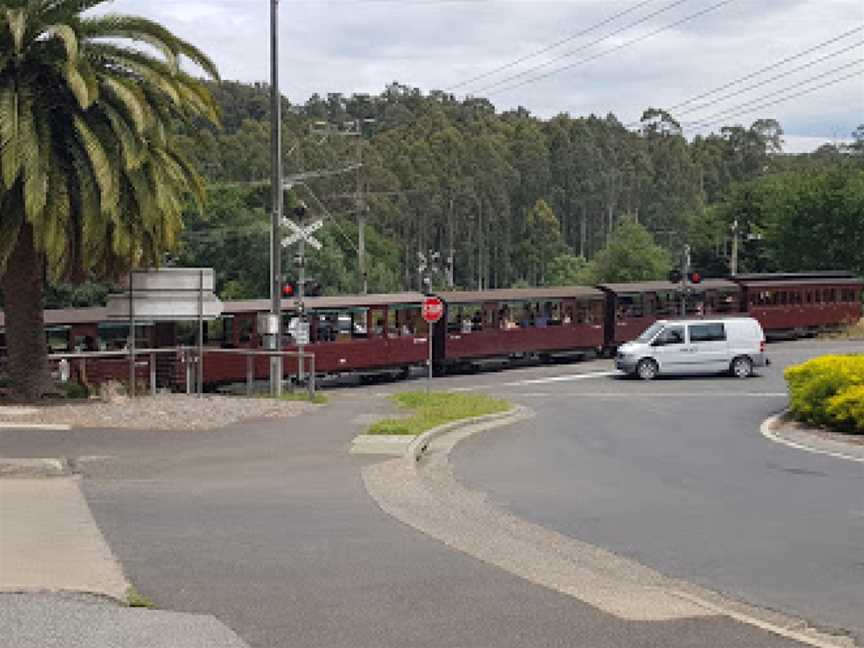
(429, 410)
(136, 599)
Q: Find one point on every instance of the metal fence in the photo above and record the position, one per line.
(191, 359)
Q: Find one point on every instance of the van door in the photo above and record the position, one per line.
(670, 349)
(708, 348)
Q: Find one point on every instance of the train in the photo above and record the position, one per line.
(385, 333)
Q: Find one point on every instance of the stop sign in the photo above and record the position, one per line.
(433, 309)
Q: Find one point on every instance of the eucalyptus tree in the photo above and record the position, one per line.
(91, 180)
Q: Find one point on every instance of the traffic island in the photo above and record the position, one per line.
(423, 412)
(784, 429)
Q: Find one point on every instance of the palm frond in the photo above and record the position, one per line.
(35, 179)
(16, 18)
(100, 164)
(10, 159)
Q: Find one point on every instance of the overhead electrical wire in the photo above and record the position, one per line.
(767, 68)
(549, 48)
(762, 83)
(716, 119)
(587, 46)
(629, 43)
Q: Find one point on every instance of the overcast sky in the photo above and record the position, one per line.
(621, 66)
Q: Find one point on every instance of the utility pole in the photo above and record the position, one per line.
(275, 337)
(733, 262)
(361, 217)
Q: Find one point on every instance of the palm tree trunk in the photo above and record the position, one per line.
(25, 326)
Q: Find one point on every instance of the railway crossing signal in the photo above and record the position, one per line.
(301, 233)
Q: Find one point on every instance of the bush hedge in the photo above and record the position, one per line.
(829, 391)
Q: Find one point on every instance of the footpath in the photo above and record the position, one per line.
(60, 585)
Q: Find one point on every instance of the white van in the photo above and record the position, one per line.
(732, 345)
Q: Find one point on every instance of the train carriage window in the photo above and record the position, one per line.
(402, 320)
(114, 336)
(57, 338)
(245, 328)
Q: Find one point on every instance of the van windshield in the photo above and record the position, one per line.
(650, 332)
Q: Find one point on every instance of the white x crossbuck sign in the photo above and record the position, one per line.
(300, 233)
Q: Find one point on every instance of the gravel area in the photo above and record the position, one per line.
(839, 437)
(162, 412)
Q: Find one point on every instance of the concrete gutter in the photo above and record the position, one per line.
(808, 440)
(421, 443)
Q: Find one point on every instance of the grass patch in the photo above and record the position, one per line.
(432, 409)
(136, 599)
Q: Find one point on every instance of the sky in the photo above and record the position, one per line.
(556, 56)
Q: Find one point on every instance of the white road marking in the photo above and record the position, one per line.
(565, 378)
(34, 426)
(664, 394)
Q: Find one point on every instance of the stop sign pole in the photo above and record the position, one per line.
(432, 310)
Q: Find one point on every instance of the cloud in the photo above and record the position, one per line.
(361, 45)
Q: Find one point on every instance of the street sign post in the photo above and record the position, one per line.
(432, 311)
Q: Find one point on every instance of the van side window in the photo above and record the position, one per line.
(670, 335)
(707, 333)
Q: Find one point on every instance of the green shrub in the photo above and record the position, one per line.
(74, 391)
(846, 409)
(815, 384)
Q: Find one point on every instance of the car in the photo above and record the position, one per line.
(732, 345)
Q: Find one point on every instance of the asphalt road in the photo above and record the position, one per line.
(269, 528)
(675, 474)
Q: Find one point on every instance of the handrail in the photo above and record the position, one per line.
(193, 352)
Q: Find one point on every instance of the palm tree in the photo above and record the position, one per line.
(91, 182)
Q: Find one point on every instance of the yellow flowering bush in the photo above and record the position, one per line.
(829, 391)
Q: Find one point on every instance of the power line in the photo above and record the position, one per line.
(587, 46)
(760, 84)
(769, 67)
(548, 48)
(639, 39)
(704, 124)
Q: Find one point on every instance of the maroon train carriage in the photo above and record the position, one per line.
(633, 307)
(511, 322)
(351, 333)
(802, 303)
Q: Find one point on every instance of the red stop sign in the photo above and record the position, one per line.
(433, 309)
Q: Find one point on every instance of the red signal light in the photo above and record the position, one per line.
(288, 290)
(695, 277)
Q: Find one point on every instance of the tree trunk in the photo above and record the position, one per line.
(25, 327)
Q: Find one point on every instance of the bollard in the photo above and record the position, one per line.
(311, 377)
(152, 373)
(249, 378)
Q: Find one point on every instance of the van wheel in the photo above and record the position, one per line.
(742, 367)
(647, 369)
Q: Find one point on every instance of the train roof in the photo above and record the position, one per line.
(802, 283)
(786, 276)
(54, 316)
(667, 286)
(517, 294)
(325, 303)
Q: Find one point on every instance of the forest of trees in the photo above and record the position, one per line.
(512, 199)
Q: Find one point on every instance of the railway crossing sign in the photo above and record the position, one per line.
(432, 310)
(301, 233)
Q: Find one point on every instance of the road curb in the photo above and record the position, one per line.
(15, 468)
(418, 447)
(60, 427)
(769, 425)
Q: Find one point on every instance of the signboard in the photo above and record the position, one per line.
(167, 294)
(299, 330)
(432, 310)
